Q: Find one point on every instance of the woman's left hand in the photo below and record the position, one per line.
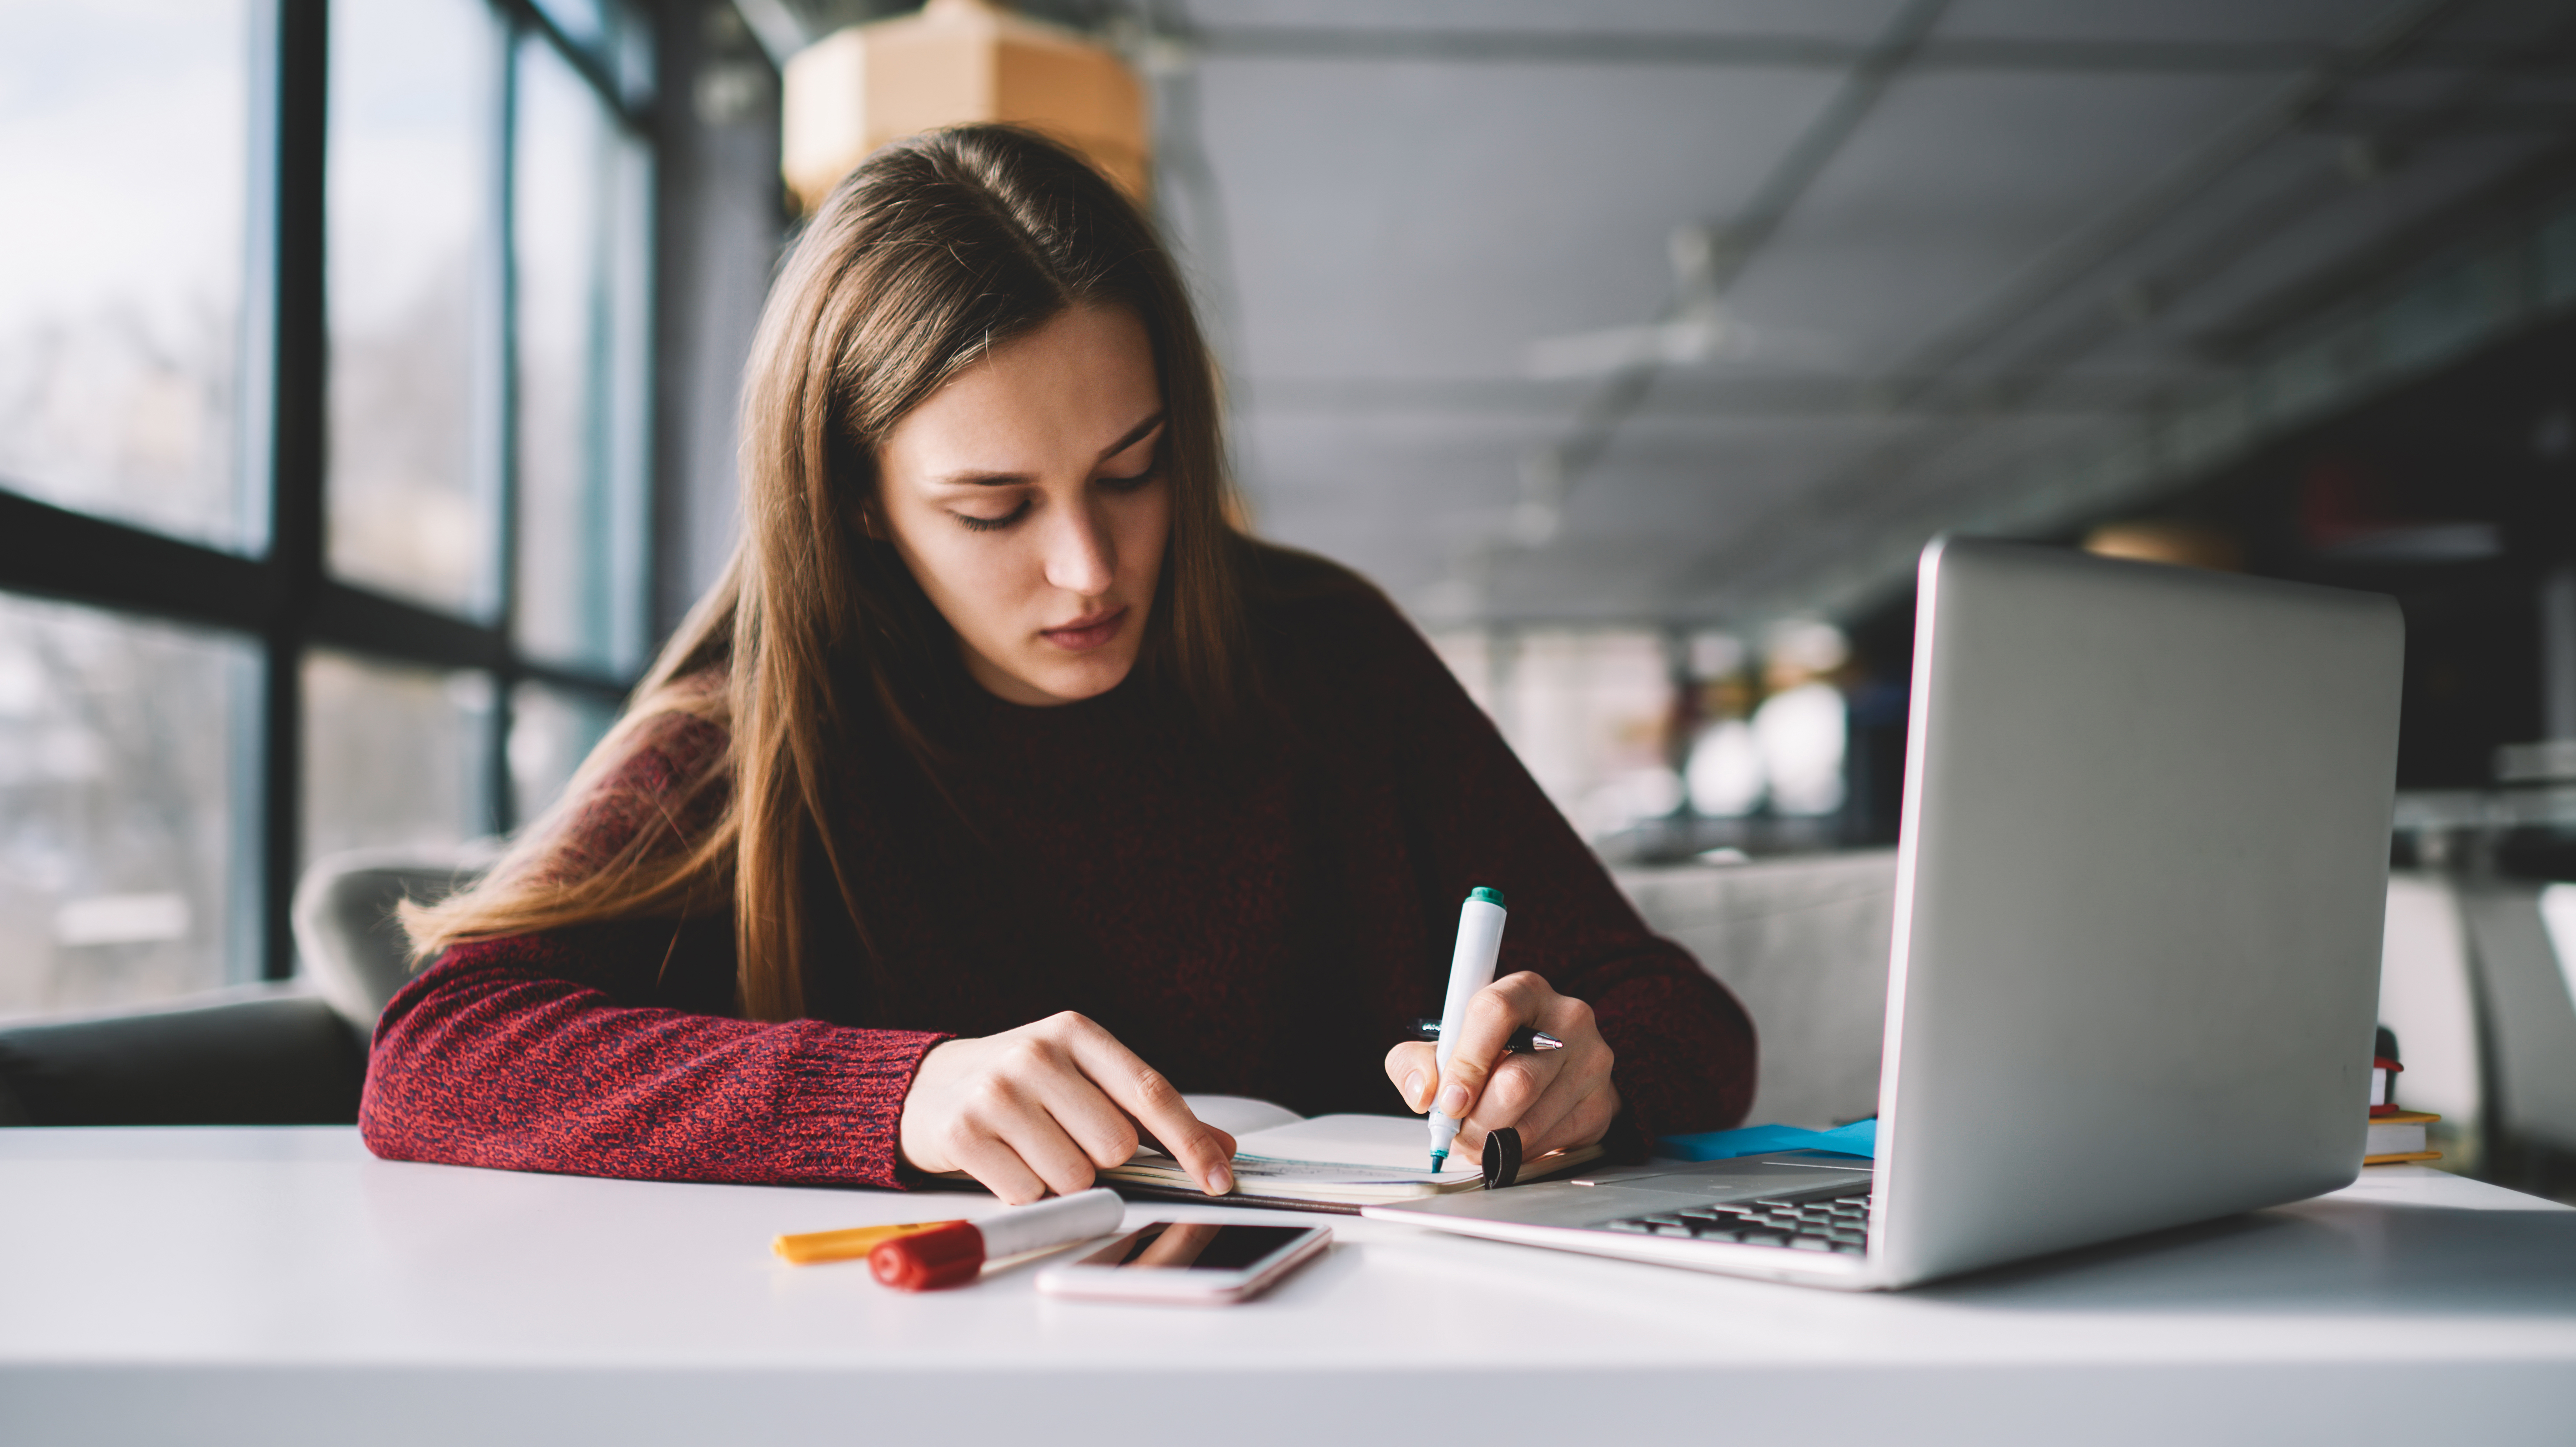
(1555, 1098)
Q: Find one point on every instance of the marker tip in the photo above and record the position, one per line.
(1438, 1158)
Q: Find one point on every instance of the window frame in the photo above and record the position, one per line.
(282, 595)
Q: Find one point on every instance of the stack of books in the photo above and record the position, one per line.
(2396, 1136)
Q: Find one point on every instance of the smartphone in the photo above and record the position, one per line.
(1189, 1263)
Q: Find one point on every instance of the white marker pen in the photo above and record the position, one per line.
(953, 1253)
(1471, 968)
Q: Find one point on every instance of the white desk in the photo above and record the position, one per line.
(281, 1286)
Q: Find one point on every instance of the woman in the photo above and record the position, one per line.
(999, 765)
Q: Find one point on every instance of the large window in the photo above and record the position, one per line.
(580, 192)
(325, 350)
(123, 128)
(414, 279)
(124, 755)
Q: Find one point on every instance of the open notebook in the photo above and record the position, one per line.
(1328, 1163)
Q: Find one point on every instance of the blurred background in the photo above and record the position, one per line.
(367, 373)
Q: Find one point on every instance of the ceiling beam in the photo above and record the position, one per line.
(1743, 236)
(2085, 251)
(1398, 44)
(1714, 399)
(1784, 540)
(2225, 249)
(2545, 177)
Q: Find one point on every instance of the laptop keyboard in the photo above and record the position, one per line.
(1839, 1223)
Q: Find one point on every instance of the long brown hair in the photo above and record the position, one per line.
(817, 649)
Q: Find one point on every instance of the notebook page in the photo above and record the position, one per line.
(1397, 1145)
(1239, 1115)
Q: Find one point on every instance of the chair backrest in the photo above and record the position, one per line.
(1803, 942)
(353, 949)
(282, 1054)
(249, 1055)
(2530, 1014)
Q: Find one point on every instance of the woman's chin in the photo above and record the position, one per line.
(1089, 679)
(1043, 682)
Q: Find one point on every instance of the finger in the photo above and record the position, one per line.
(1224, 1141)
(1586, 1120)
(1145, 1138)
(1015, 1111)
(1516, 1084)
(1569, 1112)
(1052, 1155)
(1414, 1067)
(998, 1168)
(1139, 1089)
(1104, 1134)
(1471, 1143)
(1573, 1114)
(1495, 1012)
(1543, 1126)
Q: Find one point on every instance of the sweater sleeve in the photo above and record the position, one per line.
(562, 1051)
(501, 1056)
(1686, 1049)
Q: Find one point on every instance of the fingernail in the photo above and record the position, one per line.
(1219, 1181)
(1413, 1089)
(1453, 1102)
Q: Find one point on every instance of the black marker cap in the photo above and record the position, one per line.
(1502, 1157)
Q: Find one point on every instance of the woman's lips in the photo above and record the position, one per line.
(1085, 634)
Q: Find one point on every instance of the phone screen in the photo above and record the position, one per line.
(1196, 1246)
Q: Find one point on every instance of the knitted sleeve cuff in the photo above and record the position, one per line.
(836, 1110)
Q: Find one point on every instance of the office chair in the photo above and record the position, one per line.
(280, 1054)
(1803, 943)
(352, 948)
(2530, 1017)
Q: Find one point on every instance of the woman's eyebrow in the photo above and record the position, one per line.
(1135, 434)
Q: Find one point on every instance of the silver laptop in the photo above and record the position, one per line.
(2139, 890)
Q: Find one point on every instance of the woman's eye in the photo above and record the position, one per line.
(986, 525)
(1132, 482)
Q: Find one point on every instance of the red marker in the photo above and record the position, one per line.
(952, 1254)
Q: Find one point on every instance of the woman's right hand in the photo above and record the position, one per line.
(1040, 1108)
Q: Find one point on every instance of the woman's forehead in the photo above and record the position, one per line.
(1082, 383)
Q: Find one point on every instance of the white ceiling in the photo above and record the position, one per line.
(2035, 230)
(2044, 219)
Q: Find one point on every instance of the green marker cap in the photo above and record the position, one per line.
(1493, 897)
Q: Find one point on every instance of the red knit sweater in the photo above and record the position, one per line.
(1257, 921)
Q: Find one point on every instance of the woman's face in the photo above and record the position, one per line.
(1027, 496)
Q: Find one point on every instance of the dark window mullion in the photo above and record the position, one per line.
(293, 271)
(55, 552)
(498, 803)
(52, 552)
(527, 18)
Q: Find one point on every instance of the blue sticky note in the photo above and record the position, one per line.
(1860, 1138)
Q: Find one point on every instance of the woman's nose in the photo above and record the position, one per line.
(1081, 558)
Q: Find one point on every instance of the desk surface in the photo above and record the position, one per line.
(282, 1285)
